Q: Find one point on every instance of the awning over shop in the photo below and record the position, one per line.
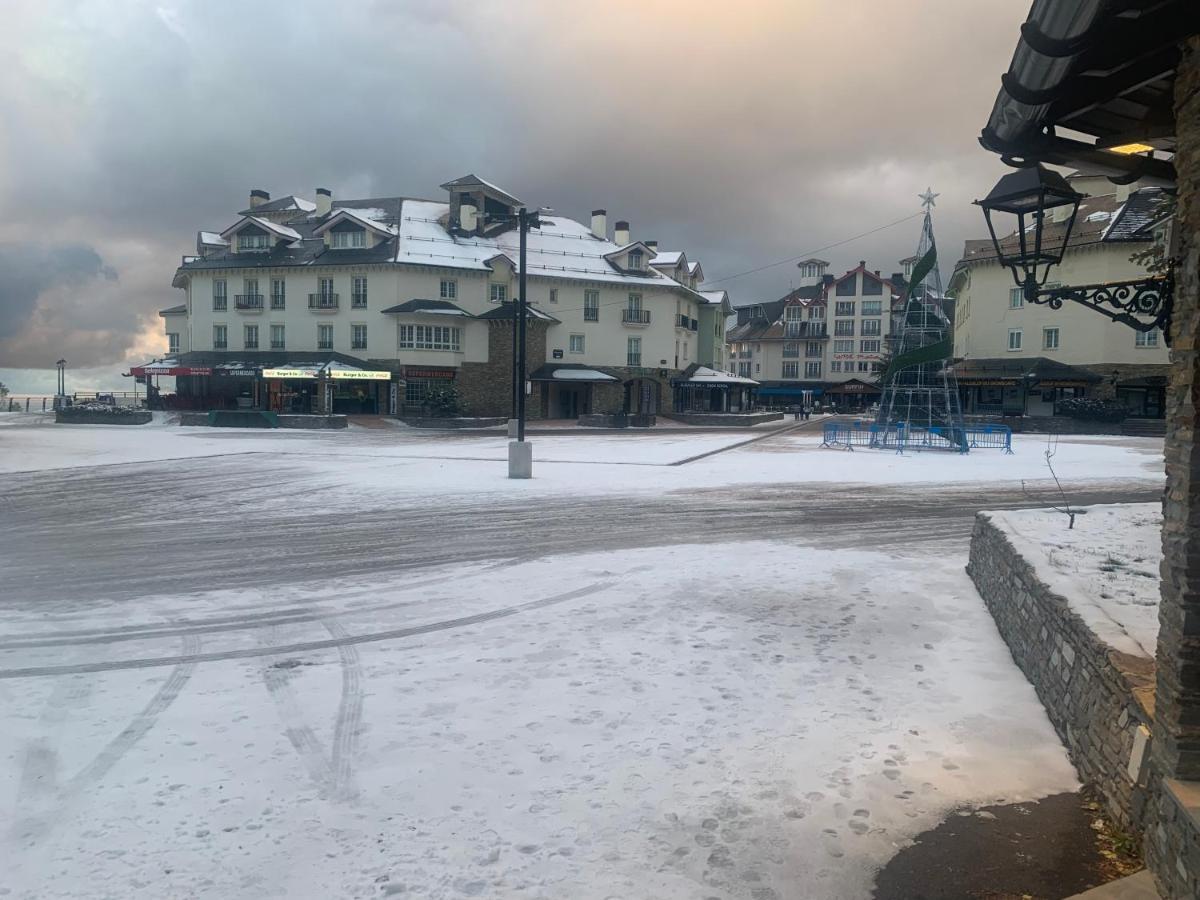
(570, 372)
(169, 367)
(333, 370)
(703, 376)
(1040, 372)
(789, 391)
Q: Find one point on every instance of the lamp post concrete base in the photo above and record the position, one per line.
(520, 459)
(512, 429)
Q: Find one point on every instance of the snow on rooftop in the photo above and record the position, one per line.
(667, 258)
(213, 238)
(581, 375)
(705, 375)
(368, 217)
(561, 248)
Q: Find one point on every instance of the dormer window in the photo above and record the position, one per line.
(636, 259)
(348, 240)
(253, 242)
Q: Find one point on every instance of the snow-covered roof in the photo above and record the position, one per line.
(369, 218)
(212, 239)
(280, 231)
(666, 258)
(467, 180)
(705, 375)
(561, 248)
(715, 298)
(289, 203)
(581, 375)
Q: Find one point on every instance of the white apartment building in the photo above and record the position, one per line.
(384, 300)
(824, 340)
(1020, 358)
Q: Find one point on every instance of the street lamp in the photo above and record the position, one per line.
(1035, 246)
(520, 453)
(62, 380)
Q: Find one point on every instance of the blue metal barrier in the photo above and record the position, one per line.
(901, 437)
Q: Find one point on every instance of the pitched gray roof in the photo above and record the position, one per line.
(416, 306)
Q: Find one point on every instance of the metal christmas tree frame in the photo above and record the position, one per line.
(920, 408)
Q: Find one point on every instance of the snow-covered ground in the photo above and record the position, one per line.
(601, 725)
(638, 718)
(1106, 566)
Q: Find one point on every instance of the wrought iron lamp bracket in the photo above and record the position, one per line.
(1143, 305)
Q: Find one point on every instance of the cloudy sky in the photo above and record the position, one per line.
(743, 133)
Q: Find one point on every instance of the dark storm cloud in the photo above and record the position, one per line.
(740, 133)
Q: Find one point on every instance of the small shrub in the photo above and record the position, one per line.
(441, 403)
(1092, 410)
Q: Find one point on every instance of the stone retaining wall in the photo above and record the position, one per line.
(1100, 701)
(733, 420)
(86, 417)
(451, 423)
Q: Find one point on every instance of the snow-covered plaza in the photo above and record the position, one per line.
(265, 664)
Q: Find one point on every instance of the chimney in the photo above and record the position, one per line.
(467, 215)
(876, 273)
(258, 198)
(653, 245)
(897, 278)
(324, 201)
(1124, 190)
(600, 223)
(862, 263)
(621, 234)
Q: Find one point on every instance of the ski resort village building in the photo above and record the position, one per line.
(1015, 358)
(378, 305)
(823, 341)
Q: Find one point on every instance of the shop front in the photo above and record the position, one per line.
(703, 390)
(853, 395)
(1144, 398)
(422, 383)
(785, 395)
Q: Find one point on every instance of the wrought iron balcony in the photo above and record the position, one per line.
(635, 316)
(323, 301)
(806, 330)
(248, 302)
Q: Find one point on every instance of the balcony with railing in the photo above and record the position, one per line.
(323, 302)
(248, 302)
(635, 317)
(806, 330)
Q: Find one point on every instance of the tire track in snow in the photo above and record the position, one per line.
(304, 646)
(39, 768)
(34, 827)
(349, 716)
(299, 732)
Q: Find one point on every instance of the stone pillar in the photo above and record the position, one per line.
(1177, 697)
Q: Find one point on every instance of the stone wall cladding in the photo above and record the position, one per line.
(1096, 697)
(730, 420)
(81, 417)
(485, 389)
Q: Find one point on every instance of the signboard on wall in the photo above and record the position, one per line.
(558, 354)
(360, 374)
(289, 373)
(422, 372)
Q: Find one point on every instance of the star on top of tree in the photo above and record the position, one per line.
(927, 198)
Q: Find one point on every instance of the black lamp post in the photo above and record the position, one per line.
(1036, 245)
(62, 378)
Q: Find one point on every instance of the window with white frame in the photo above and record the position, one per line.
(358, 292)
(633, 352)
(813, 349)
(816, 313)
(430, 337)
(793, 313)
(843, 346)
(1050, 338)
(575, 344)
(250, 337)
(1015, 337)
(358, 336)
(1016, 298)
(635, 259)
(324, 337)
(791, 370)
(1146, 338)
(325, 294)
(844, 308)
(348, 240)
(448, 289)
(278, 337)
(812, 370)
(864, 366)
(871, 327)
(498, 293)
(843, 327)
(220, 295)
(791, 350)
(220, 337)
(278, 293)
(172, 342)
(835, 366)
(872, 307)
(868, 346)
(591, 306)
(553, 295)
